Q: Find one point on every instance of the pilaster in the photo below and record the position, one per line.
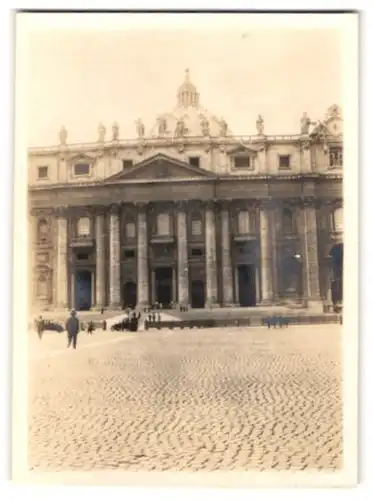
(114, 262)
(142, 257)
(227, 273)
(61, 284)
(210, 244)
(182, 253)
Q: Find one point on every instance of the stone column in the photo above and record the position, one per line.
(142, 258)
(310, 256)
(182, 256)
(226, 260)
(100, 259)
(114, 262)
(210, 244)
(62, 269)
(265, 252)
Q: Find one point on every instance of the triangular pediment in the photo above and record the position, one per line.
(81, 158)
(161, 167)
(241, 149)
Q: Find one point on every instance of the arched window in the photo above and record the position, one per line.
(243, 222)
(130, 230)
(42, 230)
(163, 224)
(288, 222)
(83, 226)
(337, 220)
(42, 286)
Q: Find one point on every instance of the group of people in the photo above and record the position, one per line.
(152, 317)
(73, 326)
(159, 306)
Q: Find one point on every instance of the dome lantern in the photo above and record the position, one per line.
(187, 95)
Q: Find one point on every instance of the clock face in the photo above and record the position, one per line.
(334, 127)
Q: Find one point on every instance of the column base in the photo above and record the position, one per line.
(315, 306)
(98, 307)
(229, 304)
(264, 303)
(183, 304)
(113, 307)
(209, 305)
(143, 305)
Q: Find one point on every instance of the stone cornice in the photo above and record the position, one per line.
(221, 178)
(151, 142)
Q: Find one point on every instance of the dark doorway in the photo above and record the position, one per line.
(246, 286)
(129, 294)
(197, 294)
(163, 285)
(83, 290)
(336, 254)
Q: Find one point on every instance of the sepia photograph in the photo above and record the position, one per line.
(182, 216)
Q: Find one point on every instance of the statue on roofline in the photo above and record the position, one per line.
(101, 133)
(140, 128)
(63, 136)
(260, 125)
(223, 127)
(115, 130)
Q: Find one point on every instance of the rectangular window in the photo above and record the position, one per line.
(130, 230)
(43, 172)
(196, 227)
(81, 169)
(335, 157)
(129, 254)
(284, 162)
(163, 224)
(197, 252)
(127, 164)
(243, 222)
(194, 160)
(242, 161)
(84, 226)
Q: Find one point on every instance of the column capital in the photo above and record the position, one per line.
(61, 212)
(100, 209)
(308, 202)
(141, 206)
(181, 205)
(211, 204)
(267, 204)
(225, 204)
(114, 208)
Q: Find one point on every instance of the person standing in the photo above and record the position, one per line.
(90, 328)
(72, 328)
(40, 327)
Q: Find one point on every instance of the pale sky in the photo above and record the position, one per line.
(80, 77)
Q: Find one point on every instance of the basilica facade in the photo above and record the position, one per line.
(188, 213)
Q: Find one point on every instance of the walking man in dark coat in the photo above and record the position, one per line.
(72, 328)
(40, 327)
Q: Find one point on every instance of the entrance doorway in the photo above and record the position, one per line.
(129, 294)
(336, 254)
(197, 294)
(163, 285)
(83, 290)
(246, 285)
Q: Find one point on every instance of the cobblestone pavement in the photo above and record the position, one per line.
(238, 398)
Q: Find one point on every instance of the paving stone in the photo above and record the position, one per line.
(187, 400)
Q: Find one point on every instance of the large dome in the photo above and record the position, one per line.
(188, 118)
